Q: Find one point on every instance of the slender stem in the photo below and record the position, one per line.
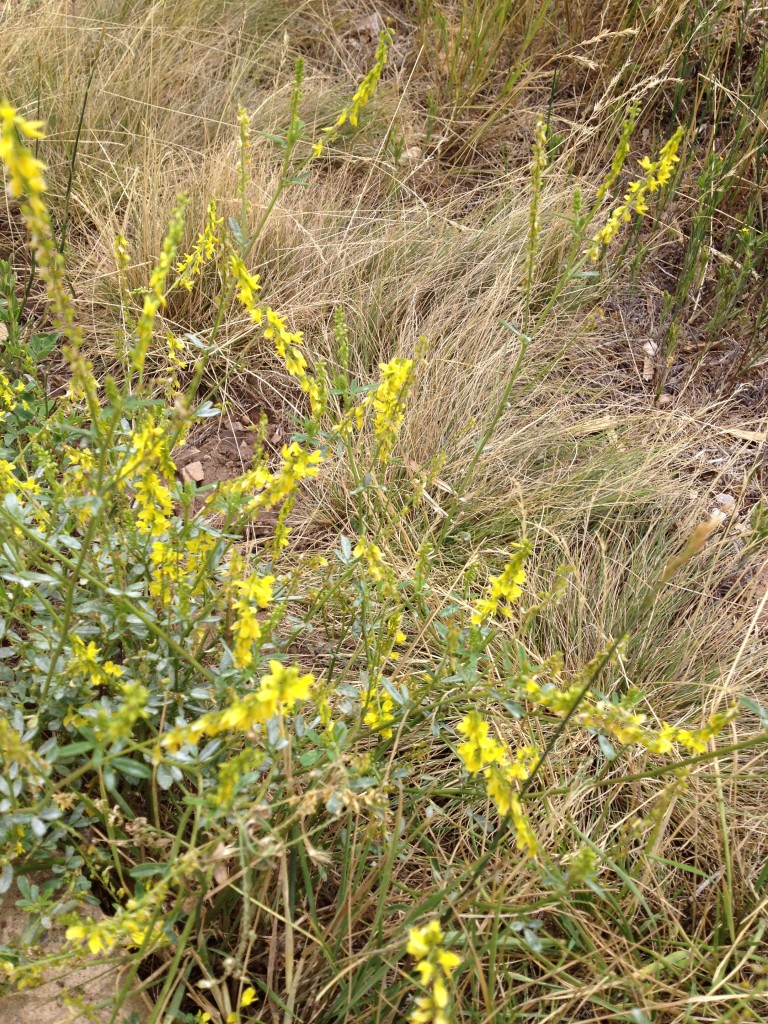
(73, 157)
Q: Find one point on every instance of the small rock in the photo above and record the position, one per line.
(411, 156)
(725, 500)
(194, 471)
(372, 25)
(664, 401)
(649, 351)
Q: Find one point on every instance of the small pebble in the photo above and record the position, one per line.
(193, 471)
(725, 500)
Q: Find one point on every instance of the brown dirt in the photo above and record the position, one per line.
(67, 994)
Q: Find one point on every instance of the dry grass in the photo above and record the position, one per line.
(584, 460)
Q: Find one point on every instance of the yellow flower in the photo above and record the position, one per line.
(434, 965)
(156, 292)
(203, 249)
(421, 941)
(286, 683)
(95, 937)
(448, 961)
(288, 348)
(389, 403)
(657, 174)
(246, 629)
(26, 180)
(505, 589)
(248, 287)
(279, 689)
(479, 750)
(379, 715)
(155, 505)
(372, 555)
(85, 661)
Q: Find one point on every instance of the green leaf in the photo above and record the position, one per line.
(133, 769)
(41, 345)
(72, 751)
(147, 870)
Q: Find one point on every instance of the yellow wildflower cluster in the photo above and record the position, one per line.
(298, 464)
(149, 457)
(131, 926)
(287, 343)
(248, 287)
(176, 568)
(25, 172)
(435, 965)
(362, 94)
(503, 590)
(9, 394)
(389, 403)
(395, 636)
(155, 296)
(203, 249)
(372, 555)
(379, 707)
(81, 462)
(657, 174)
(85, 662)
(8, 479)
(26, 180)
(279, 689)
(155, 505)
(288, 347)
(481, 753)
(9, 482)
(122, 254)
(624, 725)
(256, 591)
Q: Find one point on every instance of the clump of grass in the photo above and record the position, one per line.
(454, 739)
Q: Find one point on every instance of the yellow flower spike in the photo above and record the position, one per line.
(248, 997)
(248, 287)
(362, 95)
(26, 181)
(372, 555)
(289, 685)
(480, 750)
(505, 589)
(657, 174)
(256, 590)
(434, 965)
(379, 716)
(203, 249)
(389, 403)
